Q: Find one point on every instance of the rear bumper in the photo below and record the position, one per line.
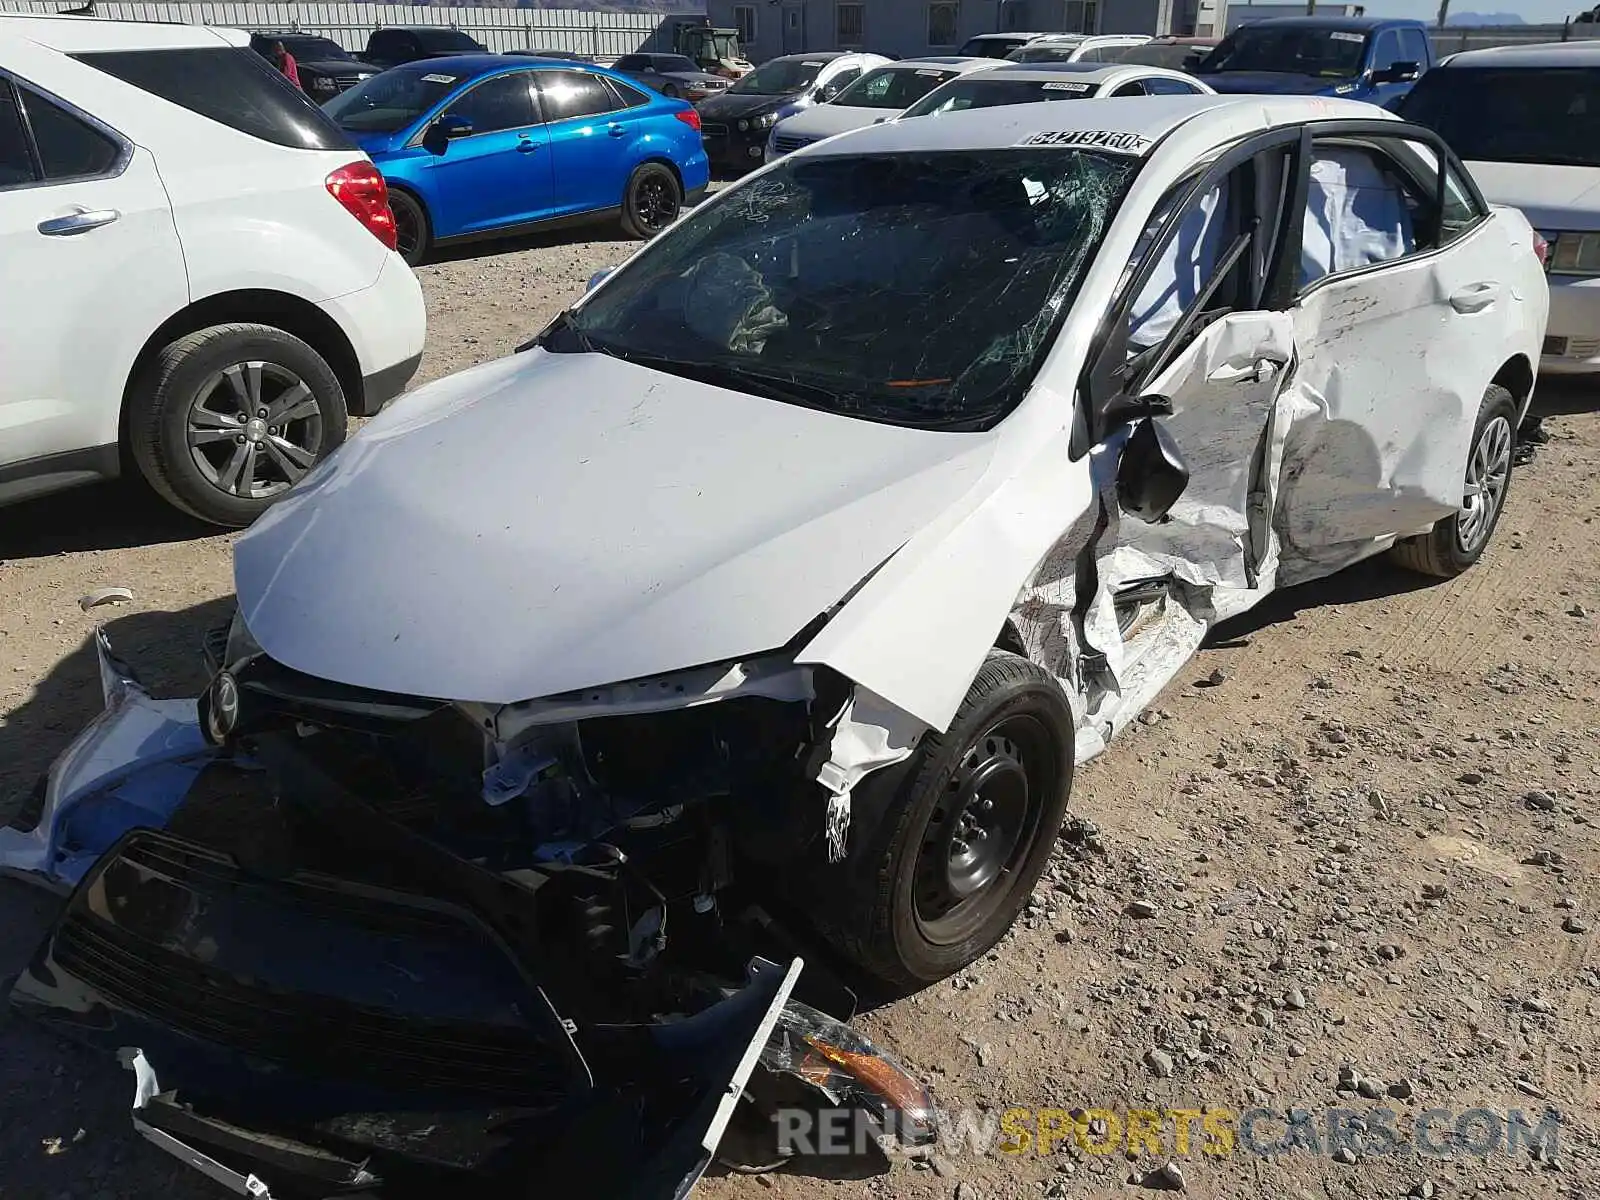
(386, 324)
(1572, 339)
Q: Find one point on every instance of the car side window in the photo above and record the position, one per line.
(69, 147)
(1185, 265)
(1160, 85)
(499, 103)
(634, 62)
(838, 83)
(574, 94)
(1414, 47)
(16, 159)
(627, 96)
(1367, 205)
(1387, 50)
(1135, 87)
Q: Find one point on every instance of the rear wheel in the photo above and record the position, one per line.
(651, 201)
(671, 91)
(228, 419)
(1459, 540)
(964, 838)
(413, 232)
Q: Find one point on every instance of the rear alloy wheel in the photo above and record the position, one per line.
(413, 232)
(228, 419)
(962, 840)
(1458, 541)
(651, 201)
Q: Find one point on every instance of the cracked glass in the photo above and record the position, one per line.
(912, 288)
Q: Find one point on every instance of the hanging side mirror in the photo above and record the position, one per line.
(1125, 409)
(1151, 475)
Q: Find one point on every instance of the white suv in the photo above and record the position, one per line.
(201, 283)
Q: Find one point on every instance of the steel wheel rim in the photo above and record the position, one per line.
(407, 229)
(1488, 474)
(653, 203)
(253, 429)
(981, 828)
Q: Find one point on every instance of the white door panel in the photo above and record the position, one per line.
(69, 337)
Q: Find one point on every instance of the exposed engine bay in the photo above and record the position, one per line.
(382, 944)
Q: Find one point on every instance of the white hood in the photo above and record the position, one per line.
(551, 522)
(825, 120)
(1551, 197)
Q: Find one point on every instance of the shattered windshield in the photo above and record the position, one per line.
(780, 77)
(892, 87)
(992, 93)
(1328, 53)
(914, 289)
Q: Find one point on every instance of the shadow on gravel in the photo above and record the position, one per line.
(1558, 397)
(1371, 580)
(163, 649)
(104, 516)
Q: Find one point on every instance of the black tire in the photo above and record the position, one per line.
(413, 229)
(183, 409)
(1459, 540)
(670, 91)
(651, 201)
(880, 908)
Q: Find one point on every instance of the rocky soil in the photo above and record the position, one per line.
(1357, 873)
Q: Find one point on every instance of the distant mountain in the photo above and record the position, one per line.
(1472, 18)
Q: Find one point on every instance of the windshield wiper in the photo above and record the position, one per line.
(565, 325)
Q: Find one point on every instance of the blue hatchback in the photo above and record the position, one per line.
(484, 144)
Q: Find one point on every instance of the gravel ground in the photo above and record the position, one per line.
(1358, 873)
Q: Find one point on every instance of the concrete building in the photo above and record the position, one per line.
(911, 28)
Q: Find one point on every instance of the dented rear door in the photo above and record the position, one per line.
(1400, 321)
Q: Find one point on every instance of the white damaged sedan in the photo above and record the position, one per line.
(805, 556)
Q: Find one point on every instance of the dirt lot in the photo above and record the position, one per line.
(1371, 849)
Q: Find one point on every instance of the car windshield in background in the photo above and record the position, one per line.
(674, 62)
(388, 102)
(1327, 53)
(989, 48)
(1171, 57)
(442, 41)
(1548, 115)
(892, 87)
(1046, 53)
(914, 289)
(781, 77)
(991, 93)
(315, 49)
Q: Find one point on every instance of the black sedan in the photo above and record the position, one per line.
(325, 67)
(671, 75)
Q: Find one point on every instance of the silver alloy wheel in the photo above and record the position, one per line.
(254, 429)
(1488, 473)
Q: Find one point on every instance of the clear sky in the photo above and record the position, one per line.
(1536, 12)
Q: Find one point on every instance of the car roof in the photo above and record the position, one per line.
(1086, 72)
(1541, 54)
(88, 35)
(1205, 121)
(420, 29)
(473, 65)
(1363, 24)
(1007, 37)
(817, 56)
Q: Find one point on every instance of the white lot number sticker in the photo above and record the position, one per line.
(438, 79)
(1342, 35)
(932, 74)
(1066, 87)
(1089, 139)
(815, 64)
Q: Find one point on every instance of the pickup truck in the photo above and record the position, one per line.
(1355, 58)
(409, 43)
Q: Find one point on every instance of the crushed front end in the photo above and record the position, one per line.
(351, 942)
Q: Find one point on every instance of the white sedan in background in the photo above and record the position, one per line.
(1044, 82)
(876, 97)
